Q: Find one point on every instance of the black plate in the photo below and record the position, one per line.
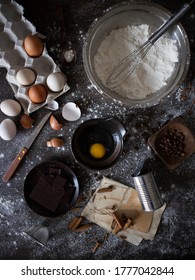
(34, 176)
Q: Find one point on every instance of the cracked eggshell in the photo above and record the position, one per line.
(55, 142)
(7, 129)
(26, 121)
(71, 112)
(10, 107)
(25, 76)
(56, 81)
(55, 125)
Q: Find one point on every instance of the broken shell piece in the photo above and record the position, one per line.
(26, 121)
(52, 105)
(71, 112)
(70, 56)
(54, 123)
(55, 142)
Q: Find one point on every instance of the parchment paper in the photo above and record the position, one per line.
(125, 200)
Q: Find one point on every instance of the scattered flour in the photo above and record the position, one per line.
(150, 75)
(6, 207)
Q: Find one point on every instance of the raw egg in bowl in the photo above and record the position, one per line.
(98, 143)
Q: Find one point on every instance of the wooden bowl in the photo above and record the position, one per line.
(172, 161)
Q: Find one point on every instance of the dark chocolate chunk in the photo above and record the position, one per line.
(47, 194)
(65, 201)
(54, 171)
(49, 178)
(67, 197)
(59, 181)
(58, 192)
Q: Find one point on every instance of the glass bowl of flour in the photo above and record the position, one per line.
(120, 31)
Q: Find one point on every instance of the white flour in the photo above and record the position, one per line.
(150, 75)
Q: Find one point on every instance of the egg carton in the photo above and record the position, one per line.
(14, 28)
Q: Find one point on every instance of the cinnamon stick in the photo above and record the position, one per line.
(116, 229)
(128, 223)
(75, 222)
(83, 227)
(118, 219)
(97, 245)
(108, 189)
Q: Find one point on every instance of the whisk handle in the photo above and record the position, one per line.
(170, 22)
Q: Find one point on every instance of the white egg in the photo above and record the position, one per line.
(71, 112)
(26, 76)
(56, 81)
(10, 107)
(7, 129)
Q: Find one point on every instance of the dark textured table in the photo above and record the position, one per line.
(64, 20)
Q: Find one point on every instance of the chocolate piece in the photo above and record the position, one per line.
(59, 181)
(54, 171)
(43, 194)
(65, 201)
(58, 192)
(49, 178)
(68, 195)
(47, 194)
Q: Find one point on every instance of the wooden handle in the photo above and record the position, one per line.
(14, 165)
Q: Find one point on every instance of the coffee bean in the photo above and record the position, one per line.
(172, 143)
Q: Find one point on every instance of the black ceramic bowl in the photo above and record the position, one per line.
(109, 132)
(51, 188)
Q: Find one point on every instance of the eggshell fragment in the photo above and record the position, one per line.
(54, 123)
(25, 76)
(55, 142)
(33, 46)
(7, 129)
(69, 55)
(10, 107)
(52, 105)
(56, 81)
(71, 112)
(37, 93)
(26, 121)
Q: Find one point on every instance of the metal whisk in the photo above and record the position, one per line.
(126, 67)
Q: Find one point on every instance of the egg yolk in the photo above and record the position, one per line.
(97, 150)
